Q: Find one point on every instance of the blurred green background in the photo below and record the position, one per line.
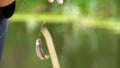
(86, 34)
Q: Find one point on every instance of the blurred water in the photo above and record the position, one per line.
(91, 48)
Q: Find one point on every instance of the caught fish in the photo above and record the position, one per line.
(39, 50)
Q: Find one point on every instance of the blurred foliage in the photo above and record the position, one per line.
(90, 39)
(84, 7)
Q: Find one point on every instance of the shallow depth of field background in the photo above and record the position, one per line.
(86, 34)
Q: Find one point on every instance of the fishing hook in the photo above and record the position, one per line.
(38, 47)
(39, 50)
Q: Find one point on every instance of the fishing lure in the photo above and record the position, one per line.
(39, 50)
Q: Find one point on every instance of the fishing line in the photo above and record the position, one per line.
(38, 47)
(21, 7)
(4, 32)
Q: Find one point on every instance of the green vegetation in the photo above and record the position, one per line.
(86, 34)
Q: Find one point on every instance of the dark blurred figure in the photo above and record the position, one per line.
(7, 8)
